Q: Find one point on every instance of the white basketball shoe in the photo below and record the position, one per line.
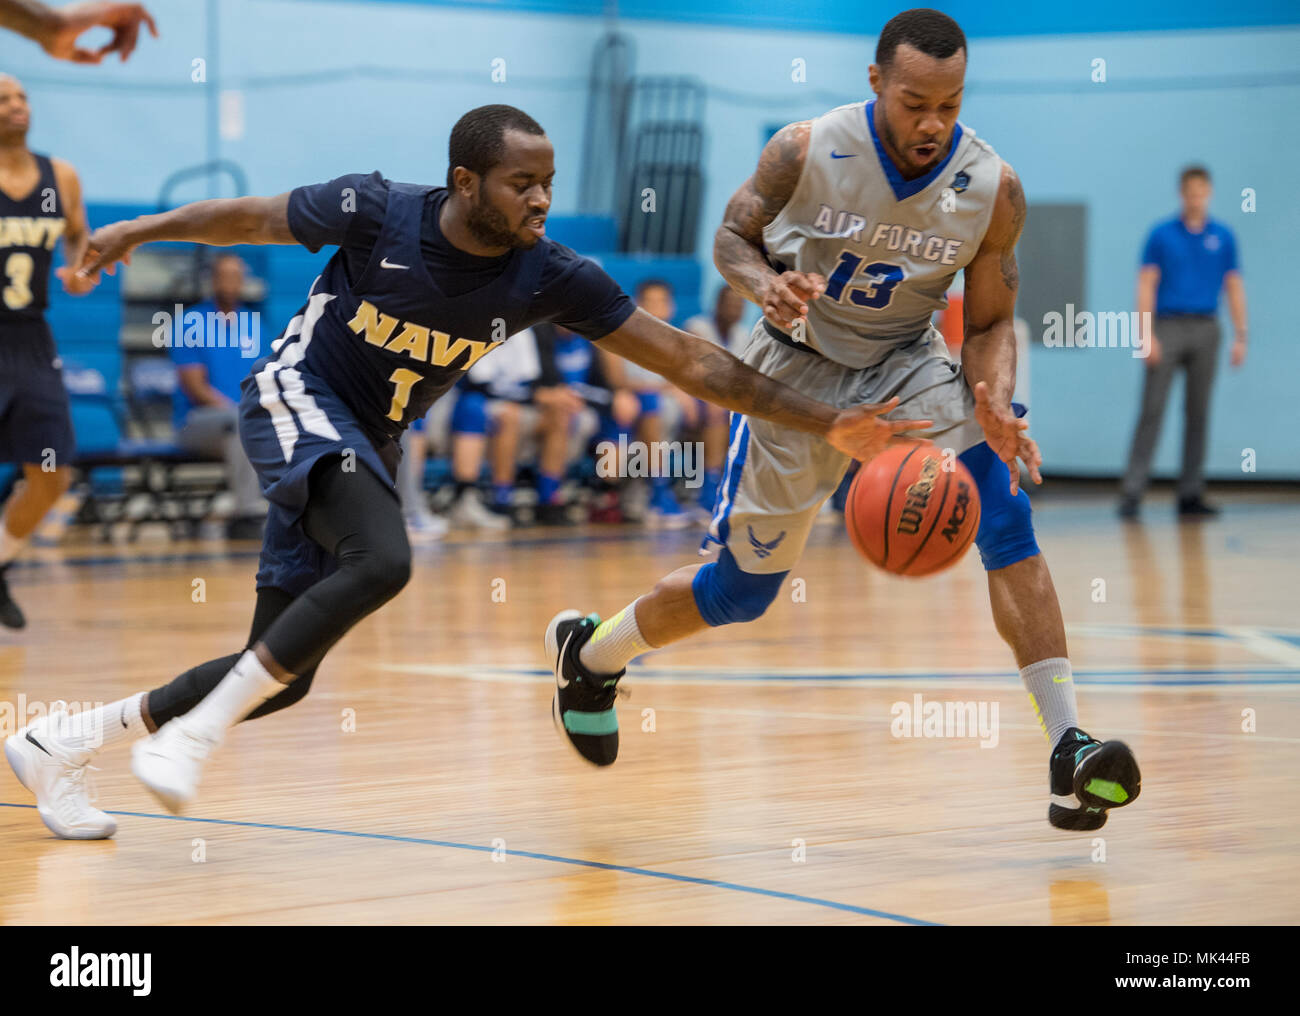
(170, 763)
(52, 762)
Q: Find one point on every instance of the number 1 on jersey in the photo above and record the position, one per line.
(877, 294)
(404, 380)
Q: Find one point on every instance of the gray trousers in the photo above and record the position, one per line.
(214, 430)
(1190, 344)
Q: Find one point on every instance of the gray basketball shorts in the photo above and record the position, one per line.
(776, 479)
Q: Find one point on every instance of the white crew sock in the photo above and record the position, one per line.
(614, 643)
(10, 546)
(1050, 684)
(116, 723)
(241, 691)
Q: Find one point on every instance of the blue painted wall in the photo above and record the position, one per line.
(331, 87)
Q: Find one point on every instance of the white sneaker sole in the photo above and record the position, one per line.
(552, 645)
(16, 753)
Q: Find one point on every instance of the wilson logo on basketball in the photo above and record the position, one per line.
(918, 498)
(913, 510)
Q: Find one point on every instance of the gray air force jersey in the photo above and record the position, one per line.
(887, 247)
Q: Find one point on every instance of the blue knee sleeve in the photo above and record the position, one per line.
(1006, 533)
(470, 414)
(724, 594)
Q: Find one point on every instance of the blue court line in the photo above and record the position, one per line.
(1182, 678)
(555, 858)
(252, 554)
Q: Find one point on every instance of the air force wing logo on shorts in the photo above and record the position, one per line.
(762, 549)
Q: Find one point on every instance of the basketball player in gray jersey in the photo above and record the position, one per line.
(848, 236)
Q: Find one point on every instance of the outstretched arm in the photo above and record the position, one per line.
(709, 372)
(221, 222)
(989, 346)
(57, 29)
(738, 244)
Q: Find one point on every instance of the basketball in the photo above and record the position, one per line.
(910, 513)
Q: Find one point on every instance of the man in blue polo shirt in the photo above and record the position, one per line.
(1187, 261)
(205, 404)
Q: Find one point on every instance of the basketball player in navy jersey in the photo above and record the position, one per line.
(425, 281)
(40, 202)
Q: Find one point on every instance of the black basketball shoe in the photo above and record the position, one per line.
(1089, 777)
(10, 615)
(583, 707)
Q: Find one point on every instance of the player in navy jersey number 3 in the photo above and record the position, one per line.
(40, 205)
(426, 280)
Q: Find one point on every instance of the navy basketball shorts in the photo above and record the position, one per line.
(35, 426)
(288, 422)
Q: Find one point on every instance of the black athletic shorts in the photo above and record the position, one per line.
(35, 425)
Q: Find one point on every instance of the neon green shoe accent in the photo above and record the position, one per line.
(1107, 791)
(591, 723)
(603, 628)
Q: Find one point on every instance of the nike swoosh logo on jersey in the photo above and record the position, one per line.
(837, 155)
(385, 263)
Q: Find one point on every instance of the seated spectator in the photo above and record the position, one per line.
(205, 403)
(492, 409)
(724, 328)
(578, 406)
(422, 525)
(660, 509)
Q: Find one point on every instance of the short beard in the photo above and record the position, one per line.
(489, 226)
(892, 139)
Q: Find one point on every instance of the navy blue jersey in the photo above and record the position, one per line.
(29, 229)
(399, 315)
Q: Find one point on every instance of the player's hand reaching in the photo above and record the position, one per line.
(1005, 434)
(70, 22)
(862, 434)
(786, 298)
(74, 283)
(106, 247)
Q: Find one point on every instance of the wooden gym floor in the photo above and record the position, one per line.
(422, 782)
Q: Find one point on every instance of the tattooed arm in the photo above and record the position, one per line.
(988, 352)
(738, 244)
(709, 372)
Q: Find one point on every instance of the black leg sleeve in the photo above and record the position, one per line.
(357, 518)
(183, 693)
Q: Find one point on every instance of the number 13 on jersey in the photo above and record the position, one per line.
(881, 280)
